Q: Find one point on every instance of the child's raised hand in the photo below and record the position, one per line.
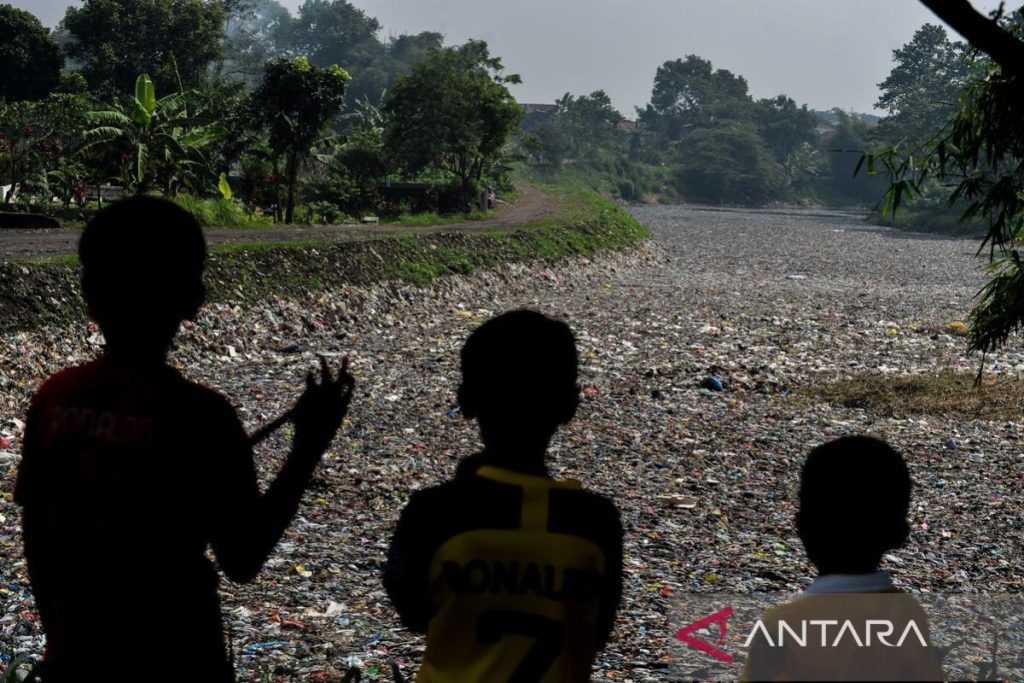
(320, 410)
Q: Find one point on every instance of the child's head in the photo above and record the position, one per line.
(519, 377)
(854, 497)
(142, 265)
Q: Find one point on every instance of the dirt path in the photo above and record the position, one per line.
(530, 206)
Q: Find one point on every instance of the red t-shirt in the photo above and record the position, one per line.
(128, 473)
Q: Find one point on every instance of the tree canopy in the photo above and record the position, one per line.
(692, 93)
(922, 90)
(452, 111)
(294, 102)
(174, 41)
(31, 59)
(979, 159)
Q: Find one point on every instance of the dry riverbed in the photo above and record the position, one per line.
(774, 303)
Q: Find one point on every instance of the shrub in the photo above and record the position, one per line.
(220, 213)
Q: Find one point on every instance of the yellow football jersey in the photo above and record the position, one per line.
(522, 585)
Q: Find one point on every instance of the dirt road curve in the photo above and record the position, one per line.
(531, 205)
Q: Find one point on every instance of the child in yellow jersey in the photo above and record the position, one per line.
(512, 575)
(851, 623)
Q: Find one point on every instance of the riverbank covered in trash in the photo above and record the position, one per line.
(704, 472)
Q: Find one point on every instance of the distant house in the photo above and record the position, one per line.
(535, 114)
(627, 126)
(826, 131)
(828, 122)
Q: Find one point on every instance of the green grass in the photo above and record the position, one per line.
(934, 217)
(630, 181)
(250, 272)
(221, 213)
(267, 245)
(943, 393)
(58, 259)
(417, 220)
(586, 225)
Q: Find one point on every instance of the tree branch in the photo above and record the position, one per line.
(981, 32)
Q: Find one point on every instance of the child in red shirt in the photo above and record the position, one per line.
(129, 471)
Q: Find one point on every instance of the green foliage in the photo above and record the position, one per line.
(588, 224)
(453, 112)
(332, 32)
(923, 88)
(31, 59)
(220, 213)
(172, 40)
(295, 102)
(691, 93)
(356, 166)
(845, 149)
(933, 214)
(431, 218)
(979, 156)
(729, 164)
(579, 127)
(722, 146)
(153, 141)
(336, 32)
(224, 187)
(37, 137)
(784, 127)
(258, 32)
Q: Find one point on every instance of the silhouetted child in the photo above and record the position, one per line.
(854, 498)
(130, 471)
(512, 575)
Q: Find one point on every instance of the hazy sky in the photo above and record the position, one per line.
(825, 53)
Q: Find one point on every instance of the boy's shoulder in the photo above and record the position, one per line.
(474, 479)
(479, 497)
(100, 375)
(843, 636)
(893, 604)
(64, 382)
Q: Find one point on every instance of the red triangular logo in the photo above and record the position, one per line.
(720, 617)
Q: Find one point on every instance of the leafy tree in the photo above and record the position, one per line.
(729, 164)
(844, 150)
(37, 137)
(691, 93)
(408, 49)
(923, 88)
(172, 40)
(580, 126)
(296, 101)
(260, 31)
(234, 8)
(979, 155)
(453, 112)
(336, 32)
(784, 126)
(153, 141)
(358, 164)
(30, 56)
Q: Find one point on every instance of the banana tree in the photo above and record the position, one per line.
(154, 141)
